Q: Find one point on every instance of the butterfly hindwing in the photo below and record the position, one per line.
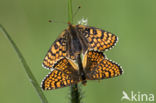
(56, 51)
(98, 39)
(103, 69)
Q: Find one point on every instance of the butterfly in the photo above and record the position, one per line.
(66, 72)
(77, 39)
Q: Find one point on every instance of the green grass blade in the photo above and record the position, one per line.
(25, 65)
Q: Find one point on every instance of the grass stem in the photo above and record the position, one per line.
(27, 69)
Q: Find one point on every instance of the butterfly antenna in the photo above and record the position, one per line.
(60, 22)
(78, 8)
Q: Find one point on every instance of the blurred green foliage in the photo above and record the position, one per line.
(133, 21)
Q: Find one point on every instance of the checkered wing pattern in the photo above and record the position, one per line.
(98, 39)
(91, 60)
(103, 69)
(63, 75)
(56, 51)
(68, 66)
(57, 79)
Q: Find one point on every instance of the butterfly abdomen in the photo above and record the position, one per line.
(83, 78)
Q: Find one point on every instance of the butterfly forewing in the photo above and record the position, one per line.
(97, 39)
(64, 74)
(56, 51)
(105, 69)
(91, 60)
(67, 66)
(57, 79)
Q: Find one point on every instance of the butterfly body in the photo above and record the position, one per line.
(76, 44)
(82, 73)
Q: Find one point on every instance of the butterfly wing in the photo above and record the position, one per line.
(97, 39)
(57, 79)
(92, 59)
(106, 69)
(67, 66)
(56, 51)
(103, 69)
(63, 75)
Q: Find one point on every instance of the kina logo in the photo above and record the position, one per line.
(137, 96)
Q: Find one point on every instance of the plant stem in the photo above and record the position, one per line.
(75, 94)
(25, 65)
(70, 12)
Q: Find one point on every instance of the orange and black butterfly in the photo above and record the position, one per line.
(66, 72)
(77, 39)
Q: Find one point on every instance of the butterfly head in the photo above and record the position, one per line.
(69, 24)
(84, 82)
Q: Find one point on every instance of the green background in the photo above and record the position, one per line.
(133, 21)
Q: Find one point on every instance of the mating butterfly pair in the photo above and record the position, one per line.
(73, 41)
